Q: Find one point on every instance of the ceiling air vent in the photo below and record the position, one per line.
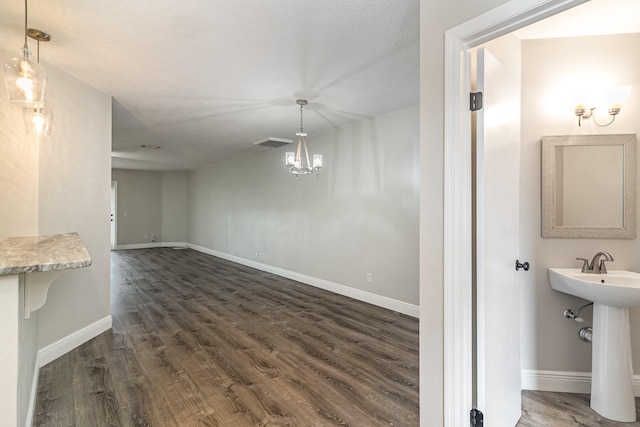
(272, 141)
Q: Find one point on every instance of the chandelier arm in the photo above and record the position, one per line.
(306, 152)
(299, 153)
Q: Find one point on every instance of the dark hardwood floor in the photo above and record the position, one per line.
(200, 341)
(549, 409)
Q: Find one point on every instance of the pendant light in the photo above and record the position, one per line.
(298, 162)
(26, 82)
(38, 118)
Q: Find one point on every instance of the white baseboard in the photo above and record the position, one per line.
(51, 352)
(151, 245)
(564, 382)
(368, 297)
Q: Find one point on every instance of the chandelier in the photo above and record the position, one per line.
(298, 162)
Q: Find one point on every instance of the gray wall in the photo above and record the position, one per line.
(151, 204)
(549, 69)
(174, 207)
(359, 216)
(58, 185)
(74, 194)
(139, 206)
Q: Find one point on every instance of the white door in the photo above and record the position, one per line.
(114, 209)
(497, 244)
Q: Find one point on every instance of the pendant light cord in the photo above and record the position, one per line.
(25, 25)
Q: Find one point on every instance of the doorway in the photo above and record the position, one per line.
(458, 236)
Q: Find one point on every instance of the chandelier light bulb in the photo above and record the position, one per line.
(38, 123)
(317, 161)
(290, 158)
(24, 82)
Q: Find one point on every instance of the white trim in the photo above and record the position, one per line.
(457, 282)
(564, 382)
(34, 392)
(51, 352)
(368, 297)
(151, 245)
(113, 231)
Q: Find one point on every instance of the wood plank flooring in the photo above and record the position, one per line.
(200, 341)
(549, 409)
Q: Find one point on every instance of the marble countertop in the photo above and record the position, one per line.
(42, 253)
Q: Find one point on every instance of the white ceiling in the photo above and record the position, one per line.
(206, 79)
(596, 17)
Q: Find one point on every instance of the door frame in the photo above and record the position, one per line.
(114, 210)
(457, 245)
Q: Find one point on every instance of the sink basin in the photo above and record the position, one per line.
(613, 293)
(617, 288)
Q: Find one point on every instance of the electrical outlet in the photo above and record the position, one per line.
(257, 253)
(369, 278)
(146, 236)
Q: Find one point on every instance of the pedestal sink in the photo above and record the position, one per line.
(612, 394)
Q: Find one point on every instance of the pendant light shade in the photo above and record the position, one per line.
(38, 120)
(26, 81)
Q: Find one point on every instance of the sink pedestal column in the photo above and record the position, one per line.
(612, 393)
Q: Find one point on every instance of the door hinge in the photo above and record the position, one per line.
(477, 418)
(475, 101)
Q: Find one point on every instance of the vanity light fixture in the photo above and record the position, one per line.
(26, 81)
(614, 98)
(296, 162)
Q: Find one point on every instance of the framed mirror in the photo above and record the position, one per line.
(589, 186)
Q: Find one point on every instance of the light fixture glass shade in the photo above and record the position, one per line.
(38, 120)
(317, 161)
(290, 158)
(26, 81)
(616, 96)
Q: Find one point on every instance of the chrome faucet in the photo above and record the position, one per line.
(596, 265)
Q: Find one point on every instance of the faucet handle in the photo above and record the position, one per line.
(586, 268)
(603, 268)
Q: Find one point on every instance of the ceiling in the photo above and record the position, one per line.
(596, 17)
(206, 79)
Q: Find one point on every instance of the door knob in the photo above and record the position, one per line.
(522, 265)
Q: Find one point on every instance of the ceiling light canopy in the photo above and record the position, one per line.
(298, 162)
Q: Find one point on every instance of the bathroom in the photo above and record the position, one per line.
(553, 70)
